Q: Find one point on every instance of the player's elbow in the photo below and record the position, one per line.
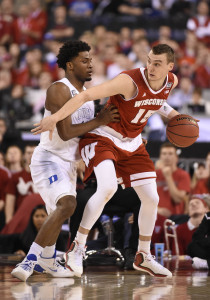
(65, 136)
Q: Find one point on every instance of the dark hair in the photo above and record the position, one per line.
(164, 48)
(69, 50)
(201, 164)
(29, 234)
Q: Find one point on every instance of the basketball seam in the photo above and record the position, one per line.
(191, 137)
(183, 125)
(172, 141)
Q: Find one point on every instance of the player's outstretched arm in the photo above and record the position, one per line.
(107, 115)
(122, 84)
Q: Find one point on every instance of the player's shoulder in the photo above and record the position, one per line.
(131, 71)
(57, 86)
(173, 78)
(57, 93)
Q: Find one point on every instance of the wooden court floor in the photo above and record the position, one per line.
(110, 283)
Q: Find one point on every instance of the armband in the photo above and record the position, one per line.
(165, 110)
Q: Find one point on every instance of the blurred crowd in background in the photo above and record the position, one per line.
(120, 34)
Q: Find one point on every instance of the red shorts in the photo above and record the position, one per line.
(132, 168)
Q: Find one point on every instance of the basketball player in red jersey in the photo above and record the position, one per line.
(116, 154)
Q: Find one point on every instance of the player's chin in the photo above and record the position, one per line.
(89, 78)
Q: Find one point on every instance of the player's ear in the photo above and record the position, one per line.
(69, 65)
(171, 66)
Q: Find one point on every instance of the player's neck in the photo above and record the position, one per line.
(156, 85)
(78, 84)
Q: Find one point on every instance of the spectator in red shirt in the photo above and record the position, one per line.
(27, 32)
(203, 185)
(4, 32)
(173, 183)
(19, 186)
(21, 217)
(200, 23)
(7, 19)
(60, 30)
(200, 172)
(4, 179)
(2, 159)
(197, 208)
(38, 15)
(13, 159)
(202, 73)
(31, 68)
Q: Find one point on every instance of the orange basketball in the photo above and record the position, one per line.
(182, 130)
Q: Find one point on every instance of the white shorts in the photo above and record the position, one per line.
(53, 177)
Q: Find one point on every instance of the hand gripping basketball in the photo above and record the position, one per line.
(182, 130)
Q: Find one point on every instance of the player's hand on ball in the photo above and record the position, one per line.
(182, 130)
(108, 114)
(46, 124)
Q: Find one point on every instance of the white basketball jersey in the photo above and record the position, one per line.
(67, 150)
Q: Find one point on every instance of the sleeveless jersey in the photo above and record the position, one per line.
(67, 150)
(135, 112)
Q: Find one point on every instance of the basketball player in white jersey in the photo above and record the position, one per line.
(116, 151)
(54, 162)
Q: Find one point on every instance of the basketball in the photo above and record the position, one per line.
(182, 130)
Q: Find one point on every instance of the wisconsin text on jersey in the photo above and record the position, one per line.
(150, 102)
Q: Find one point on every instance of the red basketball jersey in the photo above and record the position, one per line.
(135, 112)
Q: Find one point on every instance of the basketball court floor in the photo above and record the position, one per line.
(109, 283)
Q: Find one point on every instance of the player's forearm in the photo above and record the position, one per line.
(173, 113)
(167, 111)
(80, 129)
